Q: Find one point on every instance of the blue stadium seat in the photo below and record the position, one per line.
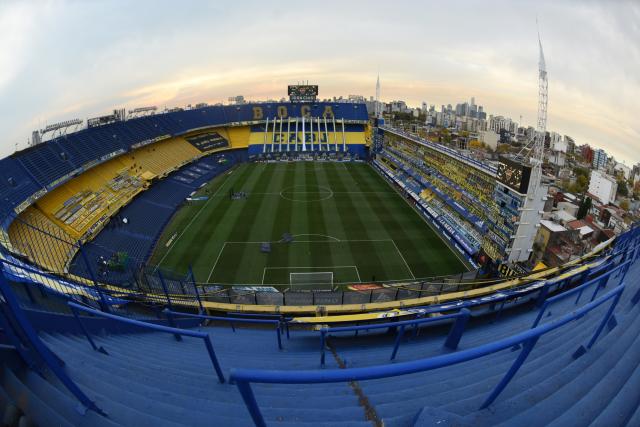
(15, 184)
(150, 378)
(45, 162)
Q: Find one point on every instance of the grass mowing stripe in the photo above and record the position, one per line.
(433, 259)
(190, 213)
(197, 251)
(213, 226)
(364, 210)
(316, 220)
(404, 243)
(369, 264)
(283, 208)
(253, 224)
(299, 222)
(333, 222)
(282, 221)
(238, 213)
(395, 270)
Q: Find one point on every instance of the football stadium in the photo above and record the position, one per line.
(296, 263)
(300, 262)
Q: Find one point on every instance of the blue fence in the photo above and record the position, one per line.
(158, 328)
(452, 341)
(231, 320)
(600, 282)
(527, 340)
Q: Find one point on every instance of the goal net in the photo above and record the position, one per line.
(316, 280)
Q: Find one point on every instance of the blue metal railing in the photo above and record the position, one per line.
(600, 282)
(244, 377)
(452, 341)
(32, 340)
(231, 320)
(159, 328)
(284, 320)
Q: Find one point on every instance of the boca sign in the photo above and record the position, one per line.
(283, 112)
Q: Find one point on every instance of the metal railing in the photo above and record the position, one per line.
(599, 282)
(158, 328)
(527, 339)
(452, 341)
(231, 320)
(22, 334)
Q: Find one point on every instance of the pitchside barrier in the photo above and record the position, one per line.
(86, 275)
(319, 280)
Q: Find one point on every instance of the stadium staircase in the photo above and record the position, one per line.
(140, 378)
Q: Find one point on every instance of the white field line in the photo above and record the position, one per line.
(278, 193)
(437, 233)
(405, 261)
(193, 219)
(358, 273)
(310, 241)
(216, 263)
(332, 267)
(328, 266)
(321, 235)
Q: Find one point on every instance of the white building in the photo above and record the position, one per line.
(622, 169)
(558, 149)
(603, 186)
(490, 138)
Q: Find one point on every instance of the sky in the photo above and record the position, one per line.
(66, 59)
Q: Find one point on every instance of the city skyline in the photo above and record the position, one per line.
(66, 59)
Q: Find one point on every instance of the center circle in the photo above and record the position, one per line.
(306, 193)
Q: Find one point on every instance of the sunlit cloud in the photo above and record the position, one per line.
(64, 59)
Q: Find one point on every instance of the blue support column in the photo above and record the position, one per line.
(103, 302)
(195, 288)
(164, 288)
(250, 400)
(457, 329)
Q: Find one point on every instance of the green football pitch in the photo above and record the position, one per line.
(346, 222)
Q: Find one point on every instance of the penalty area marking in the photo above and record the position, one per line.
(333, 267)
(216, 263)
(320, 235)
(336, 240)
(404, 260)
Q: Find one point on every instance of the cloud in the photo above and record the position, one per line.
(16, 28)
(67, 59)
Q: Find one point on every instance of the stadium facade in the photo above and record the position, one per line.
(480, 207)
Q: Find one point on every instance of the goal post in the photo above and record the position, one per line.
(311, 280)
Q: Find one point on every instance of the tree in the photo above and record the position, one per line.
(625, 204)
(474, 143)
(623, 191)
(582, 182)
(584, 208)
(503, 148)
(578, 171)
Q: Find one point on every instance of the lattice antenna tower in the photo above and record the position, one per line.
(535, 149)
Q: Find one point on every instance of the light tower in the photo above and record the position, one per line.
(537, 152)
(534, 195)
